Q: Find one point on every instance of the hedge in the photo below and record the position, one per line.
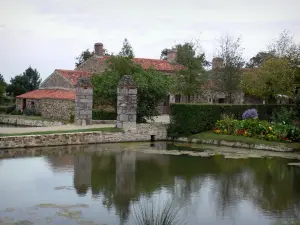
(104, 115)
(7, 108)
(186, 119)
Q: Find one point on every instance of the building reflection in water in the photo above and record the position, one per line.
(82, 173)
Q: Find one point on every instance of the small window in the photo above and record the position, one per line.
(221, 100)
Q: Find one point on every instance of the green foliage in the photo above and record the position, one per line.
(2, 86)
(31, 112)
(258, 129)
(228, 77)
(149, 214)
(186, 119)
(275, 76)
(16, 112)
(189, 80)
(284, 115)
(127, 50)
(164, 54)
(259, 59)
(153, 87)
(7, 109)
(85, 55)
(297, 103)
(104, 115)
(28, 81)
(72, 118)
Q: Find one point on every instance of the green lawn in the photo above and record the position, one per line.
(105, 129)
(246, 140)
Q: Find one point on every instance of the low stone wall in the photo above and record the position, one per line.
(30, 123)
(277, 148)
(104, 122)
(142, 133)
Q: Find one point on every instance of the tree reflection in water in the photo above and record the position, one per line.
(122, 178)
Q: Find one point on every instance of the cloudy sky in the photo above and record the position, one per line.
(50, 34)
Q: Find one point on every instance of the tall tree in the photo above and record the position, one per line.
(189, 79)
(228, 77)
(274, 77)
(258, 59)
(2, 85)
(28, 81)
(163, 54)
(127, 50)
(153, 87)
(85, 55)
(286, 47)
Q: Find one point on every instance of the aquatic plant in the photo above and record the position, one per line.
(149, 213)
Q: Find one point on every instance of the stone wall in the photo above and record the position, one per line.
(31, 123)
(30, 104)
(143, 133)
(55, 80)
(126, 103)
(57, 108)
(83, 102)
(93, 65)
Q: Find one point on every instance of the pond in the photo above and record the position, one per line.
(110, 183)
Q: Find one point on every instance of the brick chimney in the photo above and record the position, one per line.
(171, 55)
(217, 63)
(99, 50)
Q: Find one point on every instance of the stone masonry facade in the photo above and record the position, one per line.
(57, 108)
(143, 133)
(83, 102)
(126, 103)
(50, 108)
(55, 80)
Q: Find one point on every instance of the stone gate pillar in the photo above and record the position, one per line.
(83, 101)
(127, 103)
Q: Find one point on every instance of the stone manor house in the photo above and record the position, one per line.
(55, 97)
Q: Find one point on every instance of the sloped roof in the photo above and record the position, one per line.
(73, 75)
(156, 64)
(49, 93)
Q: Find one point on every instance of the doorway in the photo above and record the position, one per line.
(24, 104)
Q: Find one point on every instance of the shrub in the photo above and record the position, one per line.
(104, 115)
(16, 112)
(250, 114)
(72, 118)
(7, 109)
(297, 103)
(186, 119)
(284, 116)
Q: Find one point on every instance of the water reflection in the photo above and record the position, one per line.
(215, 190)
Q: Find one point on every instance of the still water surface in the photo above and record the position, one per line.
(104, 185)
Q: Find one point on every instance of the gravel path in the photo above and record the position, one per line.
(18, 130)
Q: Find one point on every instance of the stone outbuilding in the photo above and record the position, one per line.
(56, 96)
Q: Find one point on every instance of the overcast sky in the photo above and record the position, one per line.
(50, 34)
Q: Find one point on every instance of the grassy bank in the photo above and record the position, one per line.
(247, 140)
(104, 129)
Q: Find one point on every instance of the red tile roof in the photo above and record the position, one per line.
(156, 64)
(49, 93)
(73, 75)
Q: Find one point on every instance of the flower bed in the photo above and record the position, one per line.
(251, 126)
